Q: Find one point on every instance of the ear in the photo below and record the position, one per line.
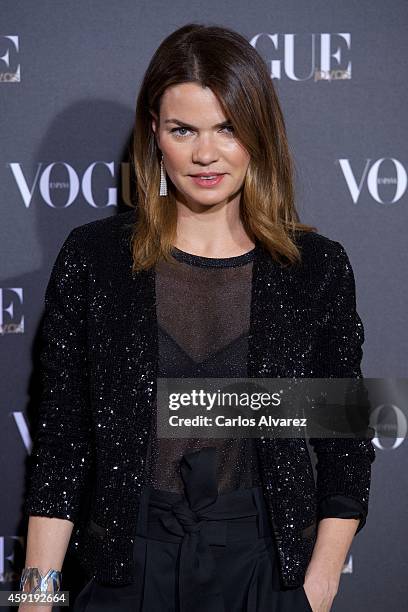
(155, 126)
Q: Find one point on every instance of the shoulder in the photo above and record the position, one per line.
(107, 228)
(102, 238)
(325, 263)
(313, 244)
(321, 252)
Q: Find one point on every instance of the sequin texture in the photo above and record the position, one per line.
(99, 366)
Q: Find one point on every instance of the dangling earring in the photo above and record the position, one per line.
(163, 182)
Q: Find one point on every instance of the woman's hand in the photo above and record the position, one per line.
(320, 591)
(334, 537)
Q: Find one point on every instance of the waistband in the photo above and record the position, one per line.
(198, 518)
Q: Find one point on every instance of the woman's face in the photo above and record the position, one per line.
(193, 140)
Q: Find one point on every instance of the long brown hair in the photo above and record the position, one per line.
(224, 61)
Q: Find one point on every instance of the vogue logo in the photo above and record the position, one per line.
(381, 421)
(9, 47)
(11, 299)
(11, 550)
(393, 181)
(300, 57)
(60, 184)
(23, 430)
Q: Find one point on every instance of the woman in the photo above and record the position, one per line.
(211, 275)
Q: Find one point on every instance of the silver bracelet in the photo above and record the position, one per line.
(33, 581)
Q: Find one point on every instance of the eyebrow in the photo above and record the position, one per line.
(187, 125)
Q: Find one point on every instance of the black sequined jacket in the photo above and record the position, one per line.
(99, 360)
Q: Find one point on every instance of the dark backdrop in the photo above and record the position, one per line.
(69, 77)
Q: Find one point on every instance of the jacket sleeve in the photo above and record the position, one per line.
(60, 461)
(343, 464)
(340, 506)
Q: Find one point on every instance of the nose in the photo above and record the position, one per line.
(205, 150)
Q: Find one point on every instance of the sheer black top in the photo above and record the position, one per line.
(203, 312)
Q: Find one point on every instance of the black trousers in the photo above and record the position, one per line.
(200, 552)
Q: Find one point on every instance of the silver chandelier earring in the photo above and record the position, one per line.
(163, 182)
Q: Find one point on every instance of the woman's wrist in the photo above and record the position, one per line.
(34, 581)
(329, 579)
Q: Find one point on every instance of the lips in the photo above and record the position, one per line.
(207, 180)
(207, 174)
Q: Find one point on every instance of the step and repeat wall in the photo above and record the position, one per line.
(69, 78)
